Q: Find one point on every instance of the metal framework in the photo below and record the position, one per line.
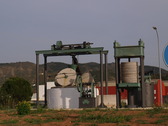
(129, 52)
(71, 50)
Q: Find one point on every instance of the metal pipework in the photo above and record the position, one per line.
(60, 46)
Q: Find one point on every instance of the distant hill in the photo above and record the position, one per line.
(93, 68)
(27, 70)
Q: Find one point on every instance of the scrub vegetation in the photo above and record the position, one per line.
(13, 91)
(86, 117)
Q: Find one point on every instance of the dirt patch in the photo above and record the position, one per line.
(86, 117)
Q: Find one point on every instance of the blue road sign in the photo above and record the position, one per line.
(165, 55)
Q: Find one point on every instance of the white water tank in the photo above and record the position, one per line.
(65, 98)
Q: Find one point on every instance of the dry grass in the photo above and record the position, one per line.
(89, 117)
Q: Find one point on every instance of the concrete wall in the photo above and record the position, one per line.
(109, 100)
(41, 91)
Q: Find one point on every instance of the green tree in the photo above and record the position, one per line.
(15, 89)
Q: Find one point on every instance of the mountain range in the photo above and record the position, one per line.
(27, 70)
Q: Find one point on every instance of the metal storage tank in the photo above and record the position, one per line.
(149, 94)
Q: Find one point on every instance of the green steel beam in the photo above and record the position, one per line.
(125, 85)
(72, 51)
(128, 51)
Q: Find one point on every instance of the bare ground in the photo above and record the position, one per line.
(87, 117)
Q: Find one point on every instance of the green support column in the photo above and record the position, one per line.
(101, 80)
(37, 80)
(117, 74)
(143, 87)
(45, 80)
(106, 72)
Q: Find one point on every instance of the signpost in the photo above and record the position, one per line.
(165, 55)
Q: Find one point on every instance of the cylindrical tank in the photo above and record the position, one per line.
(129, 72)
(149, 94)
(58, 98)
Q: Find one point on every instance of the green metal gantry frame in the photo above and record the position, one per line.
(71, 52)
(129, 52)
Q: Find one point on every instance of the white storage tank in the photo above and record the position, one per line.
(65, 98)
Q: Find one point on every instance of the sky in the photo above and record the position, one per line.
(30, 25)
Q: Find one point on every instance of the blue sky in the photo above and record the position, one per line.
(30, 25)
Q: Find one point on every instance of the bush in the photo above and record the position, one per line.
(15, 89)
(23, 108)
